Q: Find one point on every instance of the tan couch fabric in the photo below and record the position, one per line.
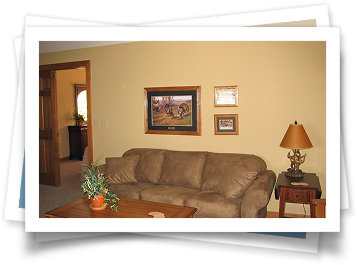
(121, 169)
(149, 165)
(230, 174)
(183, 168)
(219, 185)
(169, 194)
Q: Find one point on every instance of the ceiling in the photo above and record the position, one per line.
(56, 46)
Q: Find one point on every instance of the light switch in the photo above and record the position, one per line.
(96, 122)
(104, 122)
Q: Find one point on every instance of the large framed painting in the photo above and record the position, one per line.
(173, 110)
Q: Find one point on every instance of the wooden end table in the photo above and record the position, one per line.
(297, 193)
(127, 208)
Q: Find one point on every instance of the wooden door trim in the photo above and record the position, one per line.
(48, 130)
(75, 65)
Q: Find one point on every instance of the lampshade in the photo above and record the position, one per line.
(296, 137)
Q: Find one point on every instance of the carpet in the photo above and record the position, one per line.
(51, 197)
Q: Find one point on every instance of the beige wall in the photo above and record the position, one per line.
(66, 79)
(279, 82)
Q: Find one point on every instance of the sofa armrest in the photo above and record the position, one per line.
(257, 196)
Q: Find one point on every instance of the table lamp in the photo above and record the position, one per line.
(295, 138)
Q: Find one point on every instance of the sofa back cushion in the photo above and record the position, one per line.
(183, 168)
(121, 169)
(231, 174)
(149, 164)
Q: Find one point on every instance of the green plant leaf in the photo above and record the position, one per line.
(95, 183)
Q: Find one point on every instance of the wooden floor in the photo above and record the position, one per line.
(290, 215)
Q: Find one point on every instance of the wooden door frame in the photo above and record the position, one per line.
(76, 65)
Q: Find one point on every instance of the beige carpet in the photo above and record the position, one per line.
(53, 197)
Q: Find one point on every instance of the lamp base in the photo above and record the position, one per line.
(294, 174)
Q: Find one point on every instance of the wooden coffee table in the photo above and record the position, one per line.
(127, 208)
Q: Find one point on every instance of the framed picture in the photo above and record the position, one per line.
(173, 110)
(226, 124)
(226, 96)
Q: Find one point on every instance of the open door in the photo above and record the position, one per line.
(49, 143)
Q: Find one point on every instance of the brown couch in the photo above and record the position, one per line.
(217, 184)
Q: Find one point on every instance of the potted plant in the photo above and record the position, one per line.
(96, 187)
(79, 118)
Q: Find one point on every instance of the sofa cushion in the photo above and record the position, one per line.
(149, 164)
(183, 168)
(121, 169)
(230, 174)
(170, 194)
(210, 203)
(131, 190)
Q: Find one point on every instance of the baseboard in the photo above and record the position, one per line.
(64, 159)
(289, 215)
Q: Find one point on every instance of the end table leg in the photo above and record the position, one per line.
(312, 207)
(321, 211)
(282, 202)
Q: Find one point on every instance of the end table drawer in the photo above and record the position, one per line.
(294, 195)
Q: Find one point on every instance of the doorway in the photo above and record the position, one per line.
(49, 142)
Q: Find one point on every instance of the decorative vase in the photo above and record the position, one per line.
(79, 122)
(98, 201)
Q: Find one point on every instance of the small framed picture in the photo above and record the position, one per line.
(226, 96)
(226, 124)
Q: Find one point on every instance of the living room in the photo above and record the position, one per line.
(278, 83)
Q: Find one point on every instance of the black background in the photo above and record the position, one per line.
(193, 93)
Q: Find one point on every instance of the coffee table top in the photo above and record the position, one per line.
(127, 208)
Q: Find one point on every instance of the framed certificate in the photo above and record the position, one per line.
(226, 96)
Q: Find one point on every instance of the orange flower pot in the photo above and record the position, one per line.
(98, 201)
